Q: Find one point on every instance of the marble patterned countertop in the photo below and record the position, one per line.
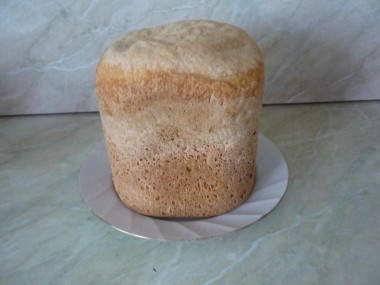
(325, 231)
(314, 51)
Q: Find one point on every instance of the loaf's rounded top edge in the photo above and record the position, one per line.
(201, 47)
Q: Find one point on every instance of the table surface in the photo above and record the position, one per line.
(326, 230)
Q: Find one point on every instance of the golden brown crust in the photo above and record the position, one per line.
(184, 186)
(136, 90)
(182, 140)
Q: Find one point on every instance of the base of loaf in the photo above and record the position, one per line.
(188, 188)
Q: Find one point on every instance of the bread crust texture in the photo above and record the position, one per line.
(180, 107)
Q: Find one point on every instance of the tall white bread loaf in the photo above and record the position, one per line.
(180, 107)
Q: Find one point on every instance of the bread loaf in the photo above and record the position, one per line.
(180, 107)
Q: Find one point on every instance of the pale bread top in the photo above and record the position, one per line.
(206, 48)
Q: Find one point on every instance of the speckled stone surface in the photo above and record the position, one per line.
(325, 231)
(314, 51)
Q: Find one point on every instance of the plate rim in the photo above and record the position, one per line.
(165, 238)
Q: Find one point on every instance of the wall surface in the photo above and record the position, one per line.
(314, 51)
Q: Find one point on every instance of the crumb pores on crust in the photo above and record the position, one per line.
(180, 106)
